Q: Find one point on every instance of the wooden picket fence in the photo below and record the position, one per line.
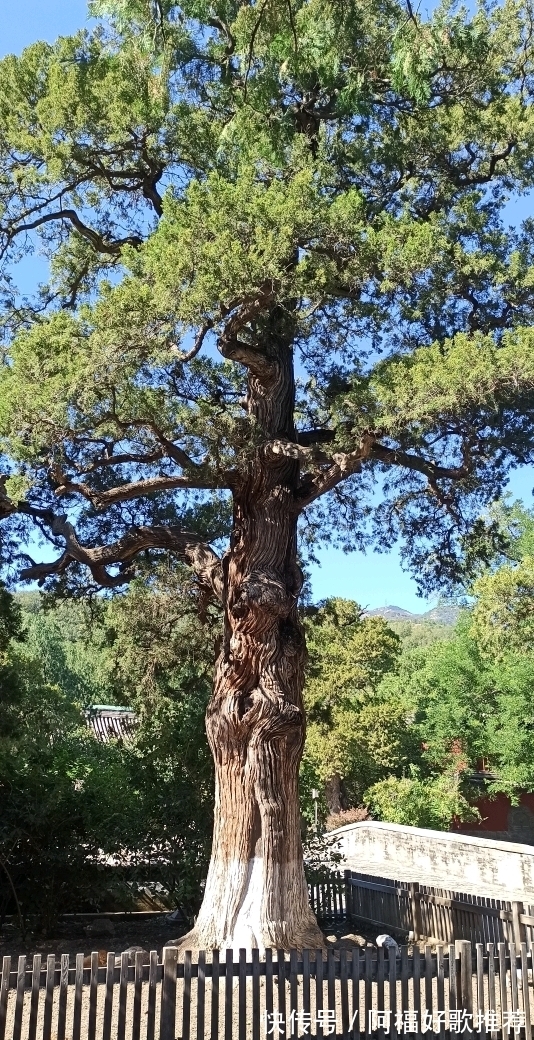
(357, 994)
(422, 910)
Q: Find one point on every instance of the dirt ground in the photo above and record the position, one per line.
(73, 937)
(149, 934)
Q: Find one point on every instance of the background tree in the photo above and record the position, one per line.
(279, 279)
(69, 802)
(65, 797)
(352, 737)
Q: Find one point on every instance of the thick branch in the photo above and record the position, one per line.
(246, 311)
(290, 450)
(122, 458)
(126, 492)
(425, 466)
(344, 465)
(309, 437)
(184, 544)
(258, 364)
(92, 236)
(190, 354)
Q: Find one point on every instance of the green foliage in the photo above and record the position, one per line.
(419, 634)
(415, 802)
(70, 802)
(353, 736)
(403, 735)
(198, 171)
(64, 796)
(69, 643)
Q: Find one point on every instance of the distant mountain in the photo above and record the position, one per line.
(441, 615)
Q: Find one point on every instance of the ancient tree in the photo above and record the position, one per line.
(281, 296)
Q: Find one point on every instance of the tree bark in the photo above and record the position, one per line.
(333, 794)
(256, 893)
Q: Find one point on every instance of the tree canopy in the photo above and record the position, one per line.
(199, 175)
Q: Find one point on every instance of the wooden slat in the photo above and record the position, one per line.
(526, 998)
(319, 990)
(356, 1024)
(416, 958)
(186, 1003)
(466, 977)
(34, 1003)
(268, 989)
(513, 977)
(293, 992)
(152, 984)
(93, 994)
(63, 990)
(392, 980)
(453, 996)
(138, 993)
(492, 1003)
(215, 993)
(242, 995)
(201, 994)
(281, 963)
(502, 982)
(78, 997)
(123, 996)
(306, 994)
(428, 982)
(4, 993)
(108, 1001)
(344, 987)
(168, 994)
(440, 974)
(380, 988)
(368, 992)
(331, 988)
(481, 1005)
(49, 996)
(255, 995)
(337, 900)
(228, 995)
(19, 1000)
(404, 977)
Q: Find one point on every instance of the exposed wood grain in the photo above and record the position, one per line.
(108, 1000)
(19, 1000)
(186, 1006)
(34, 1002)
(49, 997)
(78, 998)
(138, 992)
(63, 990)
(152, 986)
(215, 993)
(4, 994)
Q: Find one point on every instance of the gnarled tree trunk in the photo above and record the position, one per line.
(256, 893)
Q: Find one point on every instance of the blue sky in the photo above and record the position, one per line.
(373, 579)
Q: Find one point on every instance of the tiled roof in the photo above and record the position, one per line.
(110, 722)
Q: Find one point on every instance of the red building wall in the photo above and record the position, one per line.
(501, 819)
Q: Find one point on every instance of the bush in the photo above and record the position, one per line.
(341, 819)
(415, 802)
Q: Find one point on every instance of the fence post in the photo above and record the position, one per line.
(519, 931)
(415, 900)
(348, 894)
(168, 993)
(466, 976)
